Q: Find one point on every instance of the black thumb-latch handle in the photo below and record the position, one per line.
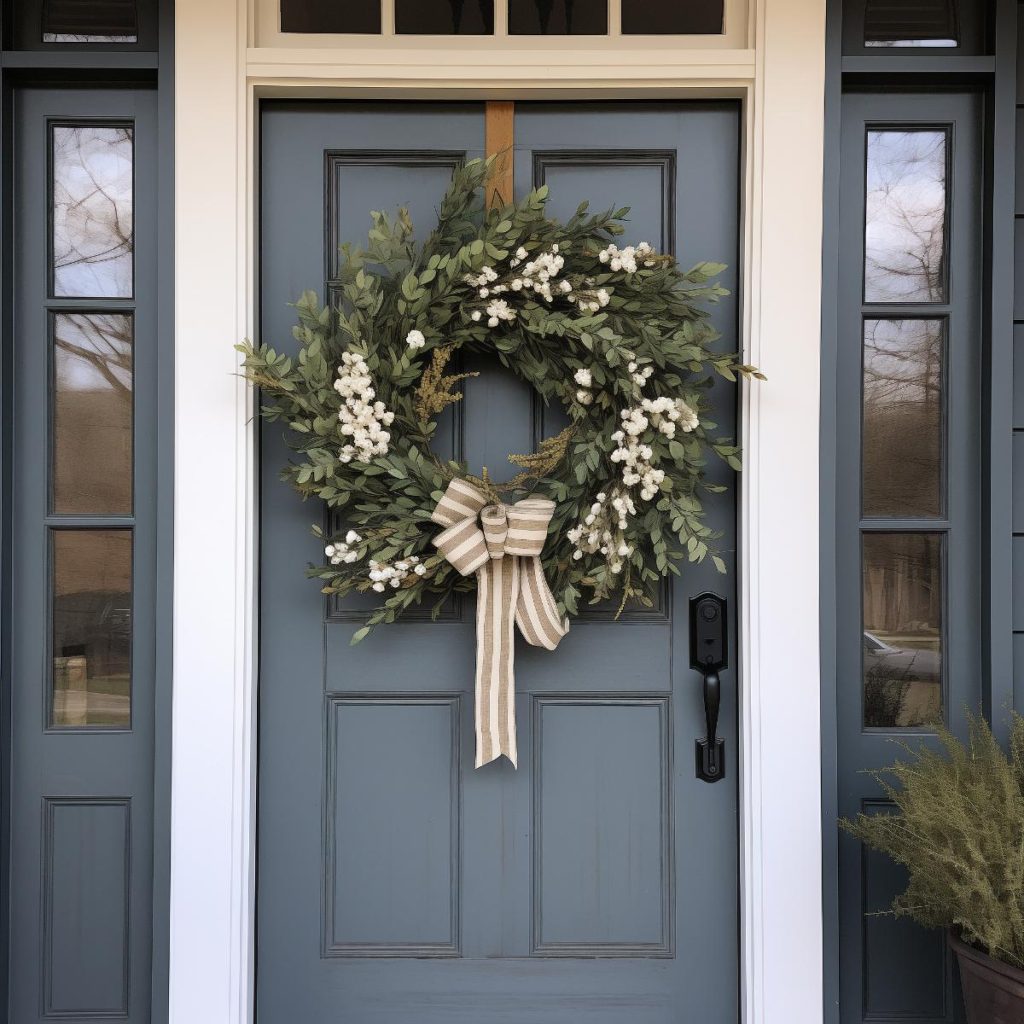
(709, 655)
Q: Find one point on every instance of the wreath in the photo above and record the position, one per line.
(619, 336)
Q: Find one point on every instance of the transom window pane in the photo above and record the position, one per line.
(330, 16)
(902, 584)
(91, 607)
(444, 17)
(673, 17)
(910, 23)
(558, 17)
(90, 21)
(92, 413)
(905, 216)
(903, 417)
(93, 241)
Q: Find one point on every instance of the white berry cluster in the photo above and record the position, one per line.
(589, 299)
(414, 339)
(602, 530)
(383, 575)
(626, 259)
(634, 457)
(585, 379)
(362, 419)
(497, 310)
(668, 413)
(539, 273)
(640, 376)
(341, 551)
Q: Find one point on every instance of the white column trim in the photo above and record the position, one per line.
(218, 79)
(781, 841)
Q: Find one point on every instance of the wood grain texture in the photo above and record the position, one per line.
(499, 136)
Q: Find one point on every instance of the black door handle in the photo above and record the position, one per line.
(708, 655)
(711, 750)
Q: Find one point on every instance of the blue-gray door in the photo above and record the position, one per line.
(396, 884)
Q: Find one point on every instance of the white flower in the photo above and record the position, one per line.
(475, 315)
(361, 418)
(414, 339)
(584, 397)
(498, 310)
(379, 587)
(583, 377)
(352, 537)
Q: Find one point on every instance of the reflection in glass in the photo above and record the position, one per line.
(558, 17)
(921, 23)
(675, 17)
(444, 17)
(92, 413)
(905, 216)
(92, 628)
(903, 415)
(92, 210)
(330, 16)
(70, 37)
(902, 633)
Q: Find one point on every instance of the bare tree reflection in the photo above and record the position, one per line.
(903, 403)
(92, 210)
(905, 216)
(92, 450)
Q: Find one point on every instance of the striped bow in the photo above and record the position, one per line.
(502, 545)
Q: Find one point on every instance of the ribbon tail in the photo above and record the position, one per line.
(536, 611)
(498, 583)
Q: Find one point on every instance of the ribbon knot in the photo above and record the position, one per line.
(502, 545)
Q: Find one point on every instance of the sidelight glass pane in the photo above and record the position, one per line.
(673, 17)
(910, 23)
(444, 17)
(92, 413)
(903, 417)
(330, 16)
(902, 630)
(91, 608)
(558, 17)
(93, 212)
(905, 216)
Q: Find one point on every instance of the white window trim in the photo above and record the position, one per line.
(218, 81)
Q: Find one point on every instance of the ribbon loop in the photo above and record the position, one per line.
(502, 545)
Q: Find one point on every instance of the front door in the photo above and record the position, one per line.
(398, 885)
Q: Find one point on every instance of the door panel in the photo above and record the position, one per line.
(397, 884)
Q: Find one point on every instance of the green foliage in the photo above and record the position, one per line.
(655, 317)
(958, 828)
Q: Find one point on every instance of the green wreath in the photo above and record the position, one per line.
(618, 336)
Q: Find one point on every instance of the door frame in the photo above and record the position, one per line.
(219, 82)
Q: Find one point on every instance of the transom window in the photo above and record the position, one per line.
(504, 17)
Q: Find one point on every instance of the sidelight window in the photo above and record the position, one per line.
(904, 336)
(91, 423)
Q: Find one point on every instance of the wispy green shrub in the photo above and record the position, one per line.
(958, 827)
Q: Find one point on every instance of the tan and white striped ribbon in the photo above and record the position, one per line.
(502, 545)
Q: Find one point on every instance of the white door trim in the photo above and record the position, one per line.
(218, 81)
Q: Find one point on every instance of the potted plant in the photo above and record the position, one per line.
(958, 828)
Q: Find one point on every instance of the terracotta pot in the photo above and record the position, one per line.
(993, 991)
